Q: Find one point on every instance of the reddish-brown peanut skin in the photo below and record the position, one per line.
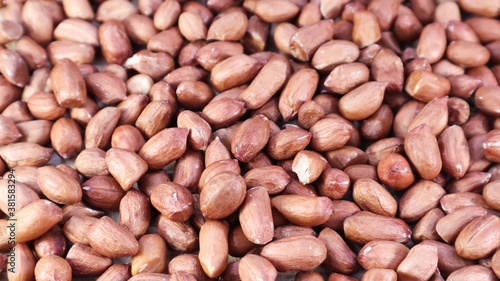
(422, 148)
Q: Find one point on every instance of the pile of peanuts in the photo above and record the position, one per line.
(250, 140)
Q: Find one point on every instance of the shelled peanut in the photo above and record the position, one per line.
(242, 139)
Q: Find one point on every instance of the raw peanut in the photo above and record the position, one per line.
(339, 257)
(472, 271)
(274, 11)
(388, 67)
(426, 86)
(380, 274)
(91, 162)
(230, 25)
(222, 195)
(341, 277)
(256, 216)
(425, 229)
(346, 77)
(13, 67)
(151, 179)
(491, 151)
(44, 105)
(111, 240)
(359, 228)
(434, 113)
(216, 168)
(140, 28)
(273, 178)
(239, 245)
(445, 68)
(188, 169)
(103, 192)
(308, 165)
(293, 230)
(333, 183)
(59, 186)
(52, 268)
(84, 260)
(23, 196)
(253, 267)
(452, 224)
(487, 9)
(66, 139)
(454, 151)
(273, 75)
(361, 171)
(127, 137)
(180, 236)
(35, 131)
(82, 115)
(38, 25)
(432, 43)
(191, 26)
(471, 182)
(305, 42)
(151, 257)
(185, 73)
(77, 30)
(23, 265)
(173, 200)
(165, 147)
(405, 115)
(363, 101)
(135, 212)
(346, 156)
(309, 113)
(52, 243)
(420, 263)
(234, 71)
(303, 210)
(213, 247)
(167, 42)
(341, 209)
(154, 65)
(223, 112)
(495, 265)
(25, 154)
(211, 54)
(346, 52)
(167, 14)
(255, 37)
(77, 227)
(382, 254)
(199, 134)
(394, 171)
(194, 95)
(330, 133)
(125, 166)
(115, 44)
(366, 29)
(40, 215)
(68, 84)
(288, 142)
(299, 89)
(419, 199)
(467, 54)
(450, 203)
(188, 263)
(283, 32)
(118, 272)
(470, 242)
(79, 209)
(10, 133)
(491, 195)
(372, 196)
(296, 253)
(106, 87)
(250, 138)
(79, 53)
(422, 148)
(378, 125)
(100, 127)
(458, 111)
